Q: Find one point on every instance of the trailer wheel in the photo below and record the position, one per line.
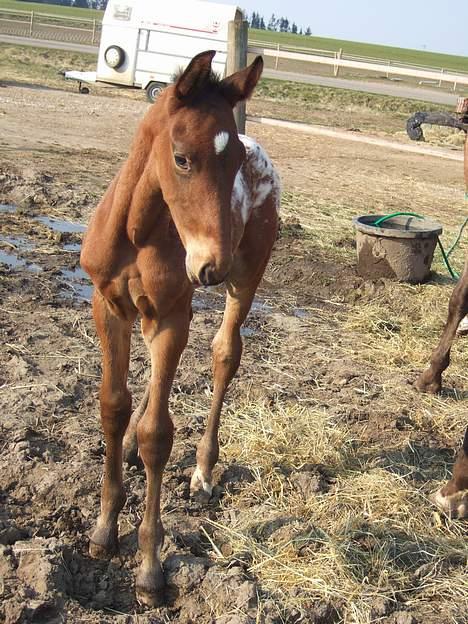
(114, 56)
(153, 90)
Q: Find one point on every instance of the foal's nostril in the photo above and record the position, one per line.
(207, 275)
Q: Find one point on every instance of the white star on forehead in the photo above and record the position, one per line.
(220, 141)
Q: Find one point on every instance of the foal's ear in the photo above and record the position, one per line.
(240, 85)
(195, 75)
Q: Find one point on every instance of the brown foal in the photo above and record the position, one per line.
(194, 204)
(453, 497)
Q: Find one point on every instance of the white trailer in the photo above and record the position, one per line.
(145, 42)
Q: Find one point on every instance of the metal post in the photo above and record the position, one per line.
(31, 24)
(277, 55)
(237, 60)
(94, 30)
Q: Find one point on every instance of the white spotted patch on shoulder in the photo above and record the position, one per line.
(255, 180)
(220, 141)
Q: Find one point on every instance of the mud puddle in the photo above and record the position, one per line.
(74, 247)
(301, 313)
(76, 283)
(14, 262)
(7, 208)
(59, 225)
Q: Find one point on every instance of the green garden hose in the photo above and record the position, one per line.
(396, 214)
(445, 255)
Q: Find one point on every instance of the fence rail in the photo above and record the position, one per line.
(338, 59)
(86, 30)
(48, 26)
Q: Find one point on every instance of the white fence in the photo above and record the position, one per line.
(339, 59)
(49, 26)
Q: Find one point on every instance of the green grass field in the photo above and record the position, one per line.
(418, 57)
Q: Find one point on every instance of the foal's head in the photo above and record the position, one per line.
(198, 154)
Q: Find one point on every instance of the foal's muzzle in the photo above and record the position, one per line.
(209, 276)
(206, 267)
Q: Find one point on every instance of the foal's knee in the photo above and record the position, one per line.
(155, 436)
(227, 351)
(116, 407)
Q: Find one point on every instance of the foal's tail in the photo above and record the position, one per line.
(413, 125)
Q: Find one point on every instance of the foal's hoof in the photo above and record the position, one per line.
(131, 457)
(150, 588)
(103, 543)
(201, 488)
(428, 384)
(454, 505)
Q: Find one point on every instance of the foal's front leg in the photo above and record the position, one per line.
(227, 352)
(114, 334)
(431, 379)
(166, 340)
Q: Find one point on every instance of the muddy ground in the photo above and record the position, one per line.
(58, 152)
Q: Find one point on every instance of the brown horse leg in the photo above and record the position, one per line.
(227, 351)
(130, 443)
(166, 341)
(114, 334)
(452, 498)
(431, 379)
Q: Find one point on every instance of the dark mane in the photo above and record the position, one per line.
(212, 84)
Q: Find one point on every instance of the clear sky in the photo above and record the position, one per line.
(435, 25)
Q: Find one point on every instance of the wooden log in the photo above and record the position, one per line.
(236, 60)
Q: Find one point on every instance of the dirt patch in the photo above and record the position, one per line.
(328, 454)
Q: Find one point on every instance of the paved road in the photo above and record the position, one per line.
(387, 88)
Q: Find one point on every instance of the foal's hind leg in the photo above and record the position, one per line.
(130, 443)
(115, 399)
(431, 379)
(452, 498)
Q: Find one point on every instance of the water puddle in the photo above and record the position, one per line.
(78, 283)
(261, 307)
(76, 247)
(60, 225)
(18, 243)
(247, 332)
(7, 208)
(300, 313)
(12, 261)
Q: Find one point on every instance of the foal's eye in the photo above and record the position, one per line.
(181, 162)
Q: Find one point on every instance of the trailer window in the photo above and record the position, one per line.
(143, 40)
(122, 12)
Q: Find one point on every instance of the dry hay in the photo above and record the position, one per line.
(368, 537)
(373, 535)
